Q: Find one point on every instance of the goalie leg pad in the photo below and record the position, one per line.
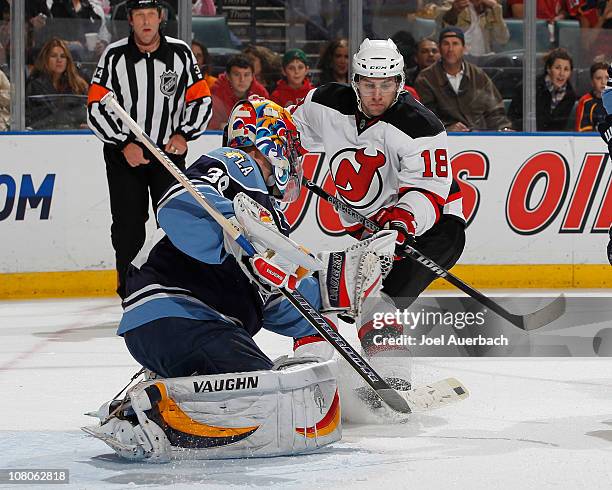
(253, 414)
(315, 345)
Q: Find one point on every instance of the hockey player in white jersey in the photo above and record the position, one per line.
(388, 157)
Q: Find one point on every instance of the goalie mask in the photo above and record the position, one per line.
(377, 59)
(269, 127)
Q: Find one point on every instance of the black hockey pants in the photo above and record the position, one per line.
(129, 199)
(175, 347)
(443, 243)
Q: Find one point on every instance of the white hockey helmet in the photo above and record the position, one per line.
(377, 58)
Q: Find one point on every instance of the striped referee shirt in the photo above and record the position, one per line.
(163, 91)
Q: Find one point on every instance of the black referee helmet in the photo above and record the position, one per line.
(142, 4)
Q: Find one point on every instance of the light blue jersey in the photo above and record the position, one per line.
(189, 274)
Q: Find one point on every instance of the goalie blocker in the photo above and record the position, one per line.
(292, 409)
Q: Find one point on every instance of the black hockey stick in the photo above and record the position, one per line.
(529, 321)
(312, 316)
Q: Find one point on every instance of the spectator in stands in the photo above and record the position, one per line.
(599, 40)
(585, 11)
(267, 65)
(555, 96)
(5, 40)
(427, 53)
(203, 8)
(407, 47)
(334, 62)
(604, 20)
(105, 5)
(459, 93)
(5, 102)
(203, 58)
(591, 111)
(36, 12)
(76, 10)
(237, 83)
(550, 10)
(83, 17)
(295, 84)
(53, 81)
(482, 23)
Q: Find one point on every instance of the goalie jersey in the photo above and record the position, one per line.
(398, 156)
(188, 273)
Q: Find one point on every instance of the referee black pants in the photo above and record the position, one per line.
(129, 189)
(443, 243)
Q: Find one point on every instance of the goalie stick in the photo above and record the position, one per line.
(390, 396)
(529, 321)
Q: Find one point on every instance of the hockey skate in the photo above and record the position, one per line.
(393, 365)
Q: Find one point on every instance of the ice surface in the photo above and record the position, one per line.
(532, 423)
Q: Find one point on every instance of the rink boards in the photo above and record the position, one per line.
(539, 209)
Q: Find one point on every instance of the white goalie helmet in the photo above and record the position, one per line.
(377, 58)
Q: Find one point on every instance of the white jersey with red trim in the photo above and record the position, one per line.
(399, 158)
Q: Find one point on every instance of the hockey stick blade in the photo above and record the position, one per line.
(529, 321)
(435, 395)
(423, 398)
(545, 315)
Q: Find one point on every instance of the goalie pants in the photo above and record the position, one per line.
(129, 200)
(443, 243)
(176, 347)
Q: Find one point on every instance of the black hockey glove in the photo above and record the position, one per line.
(400, 220)
(605, 129)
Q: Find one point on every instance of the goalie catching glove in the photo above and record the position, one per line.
(352, 275)
(279, 262)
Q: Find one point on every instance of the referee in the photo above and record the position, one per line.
(158, 82)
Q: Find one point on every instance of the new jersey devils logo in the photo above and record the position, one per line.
(357, 177)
